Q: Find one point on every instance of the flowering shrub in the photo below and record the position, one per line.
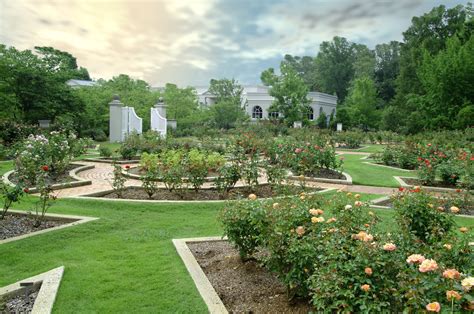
(332, 251)
(228, 176)
(105, 151)
(46, 196)
(118, 181)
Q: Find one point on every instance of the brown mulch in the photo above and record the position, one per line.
(16, 225)
(22, 303)
(264, 191)
(243, 287)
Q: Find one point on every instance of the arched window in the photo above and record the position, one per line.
(274, 114)
(310, 113)
(257, 112)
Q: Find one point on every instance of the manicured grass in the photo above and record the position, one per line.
(5, 166)
(125, 261)
(113, 146)
(366, 174)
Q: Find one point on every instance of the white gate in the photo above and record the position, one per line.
(134, 122)
(158, 123)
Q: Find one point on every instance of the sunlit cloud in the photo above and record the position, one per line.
(190, 42)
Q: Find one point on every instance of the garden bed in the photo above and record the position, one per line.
(67, 180)
(138, 193)
(438, 186)
(387, 202)
(243, 287)
(137, 173)
(325, 175)
(22, 302)
(14, 225)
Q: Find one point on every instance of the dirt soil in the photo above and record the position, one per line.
(326, 174)
(138, 193)
(22, 303)
(16, 225)
(243, 287)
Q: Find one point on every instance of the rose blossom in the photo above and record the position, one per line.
(451, 274)
(275, 205)
(467, 283)
(463, 229)
(348, 207)
(300, 230)
(317, 219)
(45, 168)
(331, 220)
(389, 247)
(368, 271)
(252, 197)
(448, 246)
(298, 150)
(365, 287)
(415, 259)
(363, 236)
(451, 294)
(428, 265)
(455, 209)
(433, 307)
(358, 204)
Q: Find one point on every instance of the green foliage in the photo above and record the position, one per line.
(361, 103)
(105, 151)
(321, 122)
(118, 181)
(419, 215)
(229, 174)
(46, 196)
(290, 93)
(9, 195)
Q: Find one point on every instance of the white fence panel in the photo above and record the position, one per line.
(158, 123)
(134, 122)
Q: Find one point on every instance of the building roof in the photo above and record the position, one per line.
(80, 83)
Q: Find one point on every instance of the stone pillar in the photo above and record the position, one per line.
(115, 120)
(161, 107)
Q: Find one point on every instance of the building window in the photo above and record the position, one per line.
(274, 114)
(310, 113)
(257, 112)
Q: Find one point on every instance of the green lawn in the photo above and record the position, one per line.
(366, 174)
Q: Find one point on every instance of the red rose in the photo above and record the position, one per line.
(401, 189)
(127, 167)
(26, 190)
(458, 190)
(45, 168)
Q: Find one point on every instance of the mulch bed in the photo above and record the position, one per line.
(62, 178)
(326, 174)
(264, 191)
(243, 287)
(16, 225)
(22, 303)
(437, 184)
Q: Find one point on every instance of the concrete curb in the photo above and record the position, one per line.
(95, 196)
(204, 286)
(72, 173)
(49, 282)
(75, 220)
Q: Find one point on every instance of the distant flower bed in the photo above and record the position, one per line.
(334, 253)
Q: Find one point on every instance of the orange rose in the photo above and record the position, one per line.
(415, 259)
(252, 197)
(463, 229)
(451, 274)
(428, 265)
(451, 294)
(331, 220)
(389, 247)
(300, 230)
(433, 307)
(365, 287)
(454, 209)
(448, 246)
(368, 271)
(275, 205)
(357, 203)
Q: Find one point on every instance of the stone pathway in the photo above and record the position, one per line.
(101, 177)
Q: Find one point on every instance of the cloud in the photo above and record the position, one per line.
(190, 42)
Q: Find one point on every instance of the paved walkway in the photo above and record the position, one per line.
(101, 177)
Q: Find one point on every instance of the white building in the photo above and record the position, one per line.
(258, 101)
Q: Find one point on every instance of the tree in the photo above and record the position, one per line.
(229, 107)
(361, 103)
(334, 64)
(182, 102)
(290, 93)
(62, 62)
(305, 67)
(387, 68)
(364, 63)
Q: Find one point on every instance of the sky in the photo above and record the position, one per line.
(188, 42)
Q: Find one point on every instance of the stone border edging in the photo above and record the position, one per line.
(96, 196)
(374, 202)
(425, 187)
(204, 286)
(347, 181)
(49, 281)
(77, 221)
(58, 186)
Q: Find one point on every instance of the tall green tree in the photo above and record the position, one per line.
(387, 68)
(228, 110)
(181, 102)
(362, 103)
(290, 93)
(305, 67)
